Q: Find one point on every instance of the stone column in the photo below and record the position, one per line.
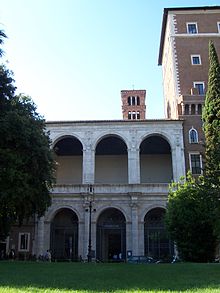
(178, 160)
(40, 236)
(135, 239)
(196, 109)
(86, 235)
(141, 238)
(190, 109)
(81, 239)
(88, 165)
(133, 166)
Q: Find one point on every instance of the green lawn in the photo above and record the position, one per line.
(78, 277)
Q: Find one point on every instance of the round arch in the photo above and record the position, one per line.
(106, 134)
(69, 157)
(64, 235)
(111, 235)
(161, 134)
(63, 136)
(111, 160)
(53, 210)
(156, 240)
(155, 159)
(103, 208)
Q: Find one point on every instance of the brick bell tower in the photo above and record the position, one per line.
(133, 104)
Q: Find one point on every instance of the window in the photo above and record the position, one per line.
(193, 136)
(133, 115)
(193, 109)
(23, 241)
(199, 109)
(195, 164)
(200, 86)
(129, 101)
(195, 59)
(186, 112)
(133, 100)
(192, 28)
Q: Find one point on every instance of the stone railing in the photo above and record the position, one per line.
(104, 189)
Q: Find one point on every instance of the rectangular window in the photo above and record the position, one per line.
(200, 86)
(218, 25)
(195, 164)
(23, 241)
(195, 59)
(192, 28)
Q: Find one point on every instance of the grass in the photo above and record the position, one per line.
(31, 277)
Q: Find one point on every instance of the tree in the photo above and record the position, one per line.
(190, 219)
(26, 160)
(2, 36)
(211, 119)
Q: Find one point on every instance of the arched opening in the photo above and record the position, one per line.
(199, 109)
(156, 241)
(69, 157)
(186, 111)
(193, 109)
(155, 160)
(193, 135)
(111, 163)
(111, 236)
(64, 235)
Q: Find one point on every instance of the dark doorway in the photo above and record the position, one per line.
(111, 236)
(64, 235)
(157, 243)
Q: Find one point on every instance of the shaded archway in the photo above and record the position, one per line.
(155, 160)
(69, 157)
(156, 241)
(111, 162)
(64, 235)
(111, 235)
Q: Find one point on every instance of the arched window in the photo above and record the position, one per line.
(129, 115)
(186, 112)
(199, 109)
(193, 109)
(193, 136)
(129, 101)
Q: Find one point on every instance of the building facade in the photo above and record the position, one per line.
(183, 54)
(110, 195)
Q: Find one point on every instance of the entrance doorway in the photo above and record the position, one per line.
(157, 243)
(64, 235)
(111, 236)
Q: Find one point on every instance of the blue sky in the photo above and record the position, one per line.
(73, 57)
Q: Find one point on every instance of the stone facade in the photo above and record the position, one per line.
(133, 198)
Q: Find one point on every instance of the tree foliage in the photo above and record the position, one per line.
(211, 119)
(2, 37)
(190, 219)
(26, 161)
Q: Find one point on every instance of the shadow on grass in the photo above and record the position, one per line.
(110, 277)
